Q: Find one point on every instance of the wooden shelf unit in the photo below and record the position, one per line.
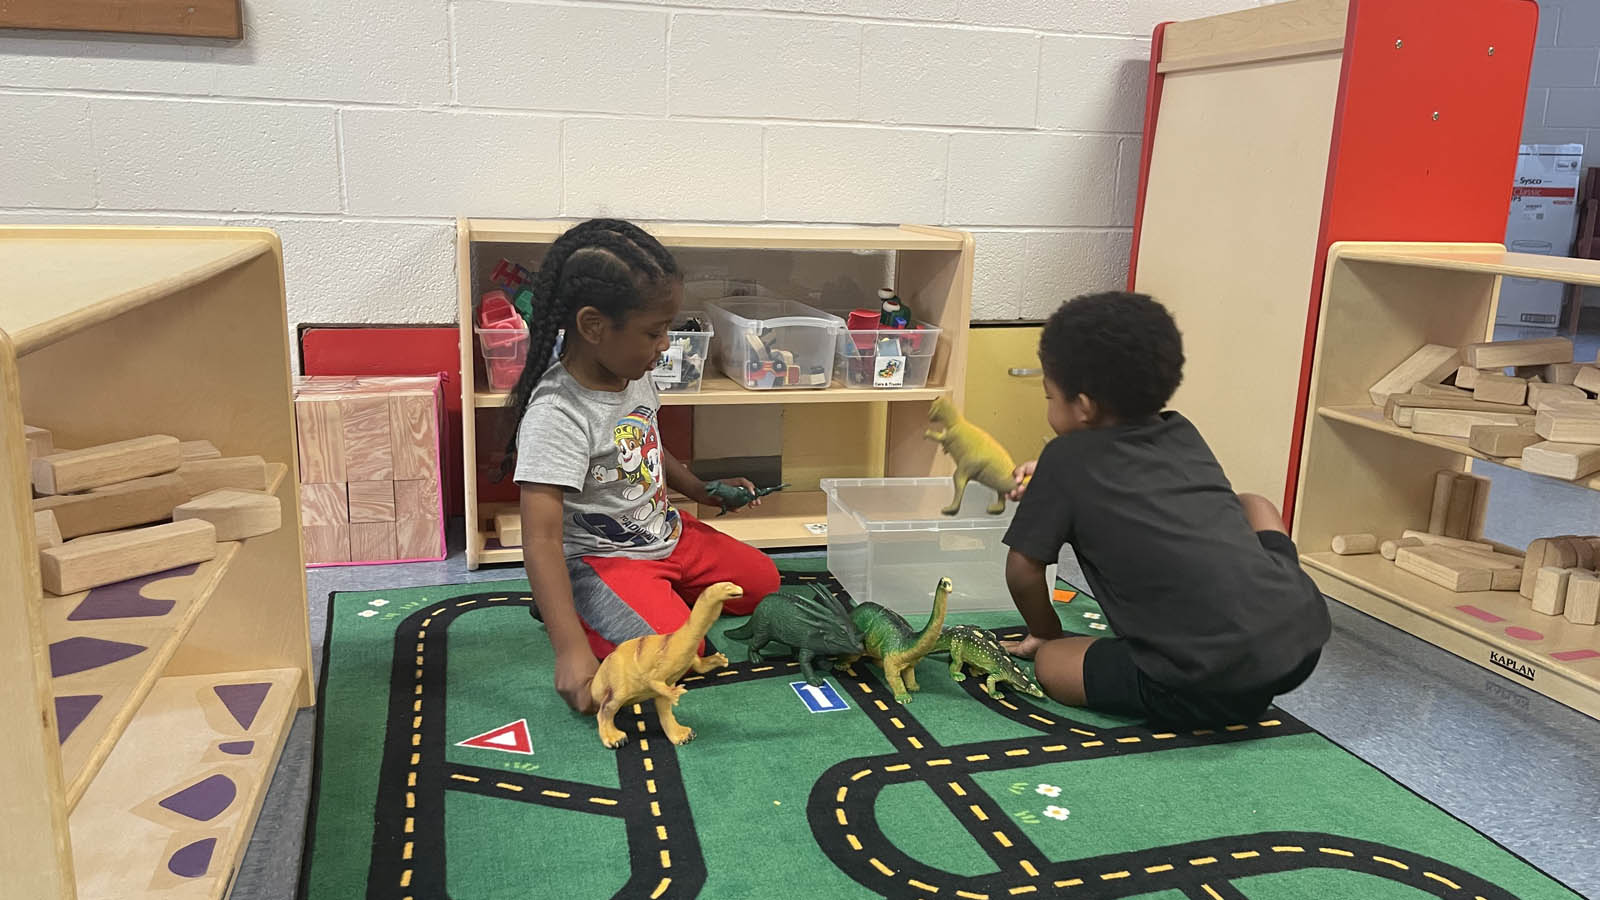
(1362, 473)
(933, 271)
(108, 333)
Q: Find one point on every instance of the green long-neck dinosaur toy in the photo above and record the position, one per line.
(888, 638)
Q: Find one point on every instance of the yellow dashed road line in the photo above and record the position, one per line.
(1094, 743)
(1128, 740)
(660, 888)
(1000, 836)
(1028, 867)
(1392, 862)
(1165, 867)
(1055, 748)
(1017, 752)
(1024, 889)
(861, 774)
(1010, 706)
(838, 813)
(1208, 890)
(405, 878)
(1245, 854)
(978, 811)
(878, 864)
(938, 762)
(1203, 861)
(971, 896)
(514, 788)
(978, 757)
(898, 767)
(559, 795)
(957, 788)
(1442, 880)
(914, 742)
(1070, 882)
(1335, 851)
(922, 886)
(655, 808)
(603, 801)
(839, 797)
(897, 723)
(855, 843)
(661, 832)
(1288, 849)
(1082, 732)
(666, 860)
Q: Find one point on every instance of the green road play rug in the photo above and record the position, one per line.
(447, 767)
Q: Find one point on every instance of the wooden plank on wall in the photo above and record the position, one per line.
(186, 18)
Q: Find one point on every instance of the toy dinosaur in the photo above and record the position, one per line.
(972, 646)
(731, 497)
(814, 626)
(649, 667)
(887, 637)
(979, 457)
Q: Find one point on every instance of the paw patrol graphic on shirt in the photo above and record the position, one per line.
(639, 471)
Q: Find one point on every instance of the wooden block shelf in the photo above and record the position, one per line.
(173, 808)
(108, 334)
(1363, 473)
(932, 270)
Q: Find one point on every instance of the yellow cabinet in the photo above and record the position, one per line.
(1005, 390)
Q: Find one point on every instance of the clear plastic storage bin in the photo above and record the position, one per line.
(502, 339)
(889, 543)
(681, 369)
(767, 344)
(886, 358)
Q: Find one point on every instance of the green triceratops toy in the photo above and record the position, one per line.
(816, 627)
(731, 497)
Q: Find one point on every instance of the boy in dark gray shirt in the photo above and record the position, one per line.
(1203, 586)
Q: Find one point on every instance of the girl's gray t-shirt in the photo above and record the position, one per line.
(604, 449)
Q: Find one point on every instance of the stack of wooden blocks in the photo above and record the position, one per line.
(1507, 399)
(369, 468)
(94, 515)
(1560, 578)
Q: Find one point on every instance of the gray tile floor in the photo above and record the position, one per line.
(1514, 765)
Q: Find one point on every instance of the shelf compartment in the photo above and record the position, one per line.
(108, 646)
(1494, 629)
(1372, 418)
(171, 812)
(738, 237)
(719, 390)
(1486, 259)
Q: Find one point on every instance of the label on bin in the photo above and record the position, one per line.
(889, 371)
(669, 368)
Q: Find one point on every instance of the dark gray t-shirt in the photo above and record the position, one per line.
(1169, 555)
(603, 447)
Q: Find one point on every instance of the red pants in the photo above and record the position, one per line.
(657, 593)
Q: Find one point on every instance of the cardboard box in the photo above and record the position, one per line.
(1544, 217)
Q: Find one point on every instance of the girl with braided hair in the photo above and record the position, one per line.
(608, 555)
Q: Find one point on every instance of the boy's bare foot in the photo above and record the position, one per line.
(1024, 648)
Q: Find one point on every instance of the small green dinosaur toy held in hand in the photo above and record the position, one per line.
(979, 457)
(888, 638)
(731, 497)
(971, 646)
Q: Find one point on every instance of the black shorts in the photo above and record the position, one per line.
(1113, 684)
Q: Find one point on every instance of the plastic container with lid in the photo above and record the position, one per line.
(764, 343)
(502, 339)
(886, 358)
(681, 369)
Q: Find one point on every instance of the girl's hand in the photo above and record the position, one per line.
(704, 498)
(1021, 476)
(574, 671)
(1024, 648)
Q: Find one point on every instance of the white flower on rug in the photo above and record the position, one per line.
(1058, 813)
(377, 602)
(1048, 790)
(367, 613)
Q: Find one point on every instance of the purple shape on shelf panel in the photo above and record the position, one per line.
(192, 860)
(1575, 655)
(123, 600)
(70, 713)
(1524, 634)
(243, 700)
(237, 748)
(204, 800)
(78, 654)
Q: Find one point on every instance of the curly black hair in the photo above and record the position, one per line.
(609, 264)
(1120, 348)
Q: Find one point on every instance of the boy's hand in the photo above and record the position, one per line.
(574, 671)
(1024, 648)
(1021, 476)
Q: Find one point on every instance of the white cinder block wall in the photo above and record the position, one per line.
(1564, 85)
(359, 130)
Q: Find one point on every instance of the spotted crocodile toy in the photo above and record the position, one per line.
(976, 648)
(816, 627)
(887, 637)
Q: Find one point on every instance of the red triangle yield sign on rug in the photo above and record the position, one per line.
(512, 738)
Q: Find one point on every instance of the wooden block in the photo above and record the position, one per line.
(1438, 390)
(1569, 461)
(416, 501)
(234, 513)
(1440, 540)
(319, 430)
(108, 558)
(418, 539)
(39, 440)
(1506, 579)
(1587, 379)
(326, 543)
(1582, 551)
(1467, 378)
(1556, 552)
(1458, 422)
(326, 505)
(190, 451)
(70, 471)
(1550, 590)
(1502, 440)
(373, 542)
(1492, 388)
(1403, 407)
(1443, 567)
(1566, 424)
(414, 436)
(1443, 481)
(1389, 548)
(371, 501)
(115, 507)
(46, 533)
(1429, 365)
(203, 476)
(1504, 354)
(1480, 507)
(1583, 599)
(1343, 544)
(368, 451)
(1458, 516)
(1561, 373)
(1543, 395)
(508, 528)
(1505, 572)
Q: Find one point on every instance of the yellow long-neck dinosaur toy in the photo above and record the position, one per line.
(649, 668)
(979, 457)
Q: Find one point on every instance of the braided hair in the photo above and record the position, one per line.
(611, 265)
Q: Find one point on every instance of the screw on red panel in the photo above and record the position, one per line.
(1436, 116)
(1398, 44)
(1491, 51)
